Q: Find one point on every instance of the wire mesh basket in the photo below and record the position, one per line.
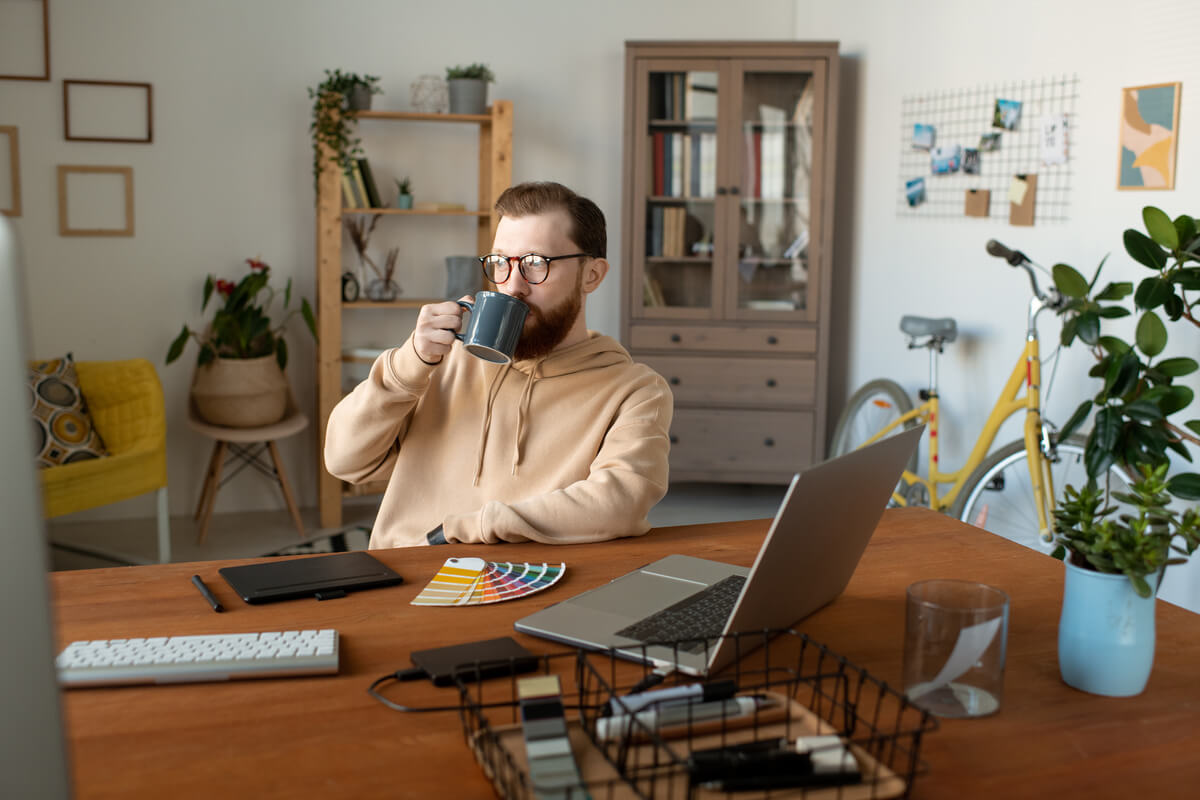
(801, 689)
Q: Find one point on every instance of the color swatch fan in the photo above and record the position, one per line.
(473, 582)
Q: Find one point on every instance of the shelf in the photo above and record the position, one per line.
(706, 124)
(411, 212)
(680, 259)
(422, 116)
(668, 198)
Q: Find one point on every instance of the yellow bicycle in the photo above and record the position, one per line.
(1009, 491)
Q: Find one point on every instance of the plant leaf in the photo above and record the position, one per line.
(1185, 486)
(1160, 227)
(1069, 281)
(1143, 250)
(1113, 345)
(1152, 293)
(1122, 375)
(1193, 425)
(209, 285)
(1143, 409)
(1151, 334)
(281, 353)
(1077, 419)
(1116, 291)
(1176, 367)
(1088, 327)
(1177, 398)
(309, 320)
(1185, 227)
(176, 348)
(1113, 312)
(1069, 329)
(1098, 455)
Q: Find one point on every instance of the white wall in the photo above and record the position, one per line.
(888, 266)
(228, 174)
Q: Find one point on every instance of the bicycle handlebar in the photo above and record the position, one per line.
(1018, 259)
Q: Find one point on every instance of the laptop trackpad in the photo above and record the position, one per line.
(638, 594)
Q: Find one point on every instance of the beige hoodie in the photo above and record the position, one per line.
(565, 449)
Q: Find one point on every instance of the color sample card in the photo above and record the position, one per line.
(473, 582)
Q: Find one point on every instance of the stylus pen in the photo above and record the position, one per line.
(208, 595)
(608, 728)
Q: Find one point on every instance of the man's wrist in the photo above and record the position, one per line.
(430, 363)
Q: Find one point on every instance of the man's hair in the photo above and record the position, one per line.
(587, 231)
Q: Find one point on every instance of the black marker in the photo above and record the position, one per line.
(212, 601)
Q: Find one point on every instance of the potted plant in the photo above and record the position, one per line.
(239, 370)
(468, 88)
(336, 103)
(1116, 544)
(404, 198)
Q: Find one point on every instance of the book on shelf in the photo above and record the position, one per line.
(369, 183)
(360, 187)
(354, 198)
(708, 165)
(677, 162)
(652, 294)
(654, 237)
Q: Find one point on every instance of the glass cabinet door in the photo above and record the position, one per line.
(777, 182)
(677, 209)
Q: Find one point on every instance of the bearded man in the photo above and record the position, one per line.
(565, 444)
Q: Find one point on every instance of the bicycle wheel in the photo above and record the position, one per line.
(1000, 490)
(876, 404)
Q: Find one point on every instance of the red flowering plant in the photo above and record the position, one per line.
(241, 328)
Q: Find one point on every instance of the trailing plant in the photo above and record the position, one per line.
(333, 120)
(479, 72)
(242, 327)
(1135, 410)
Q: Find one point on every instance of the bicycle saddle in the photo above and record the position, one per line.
(945, 328)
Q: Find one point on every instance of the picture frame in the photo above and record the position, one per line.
(125, 228)
(94, 102)
(9, 132)
(1148, 139)
(19, 23)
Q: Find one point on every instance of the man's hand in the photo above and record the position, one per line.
(436, 325)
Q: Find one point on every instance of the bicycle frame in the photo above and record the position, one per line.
(1025, 374)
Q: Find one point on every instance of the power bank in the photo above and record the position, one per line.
(473, 661)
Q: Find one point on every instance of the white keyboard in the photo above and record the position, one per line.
(187, 659)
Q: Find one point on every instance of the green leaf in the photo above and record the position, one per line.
(309, 320)
(1113, 312)
(1122, 375)
(1177, 367)
(1151, 334)
(176, 348)
(1077, 419)
(1098, 455)
(1143, 409)
(1176, 399)
(1160, 227)
(1143, 250)
(1113, 345)
(281, 353)
(1173, 306)
(1185, 227)
(1193, 426)
(1069, 281)
(1187, 277)
(1088, 327)
(209, 285)
(287, 293)
(1116, 291)
(1069, 330)
(1139, 584)
(1153, 292)
(207, 354)
(1185, 486)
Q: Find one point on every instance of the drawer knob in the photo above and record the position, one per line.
(771, 382)
(674, 381)
(769, 442)
(674, 439)
(675, 337)
(772, 340)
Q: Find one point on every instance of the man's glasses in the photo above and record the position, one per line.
(534, 268)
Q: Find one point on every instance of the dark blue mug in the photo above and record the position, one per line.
(494, 327)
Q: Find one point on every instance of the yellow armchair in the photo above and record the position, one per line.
(125, 400)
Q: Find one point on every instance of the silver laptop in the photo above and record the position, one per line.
(811, 550)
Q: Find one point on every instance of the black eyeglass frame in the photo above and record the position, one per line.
(508, 260)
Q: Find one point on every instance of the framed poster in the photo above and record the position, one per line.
(108, 111)
(1149, 136)
(10, 172)
(95, 200)
(25, 40)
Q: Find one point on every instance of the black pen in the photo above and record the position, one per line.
(208, 595)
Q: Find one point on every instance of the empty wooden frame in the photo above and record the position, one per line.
(95, 205)
(9, 133)
(108, 111)
(24, 26)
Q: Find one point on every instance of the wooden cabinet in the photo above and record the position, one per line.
(729, 156)
(495, 175)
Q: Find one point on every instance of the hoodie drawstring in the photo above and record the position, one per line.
(523, 413)
(493, 391)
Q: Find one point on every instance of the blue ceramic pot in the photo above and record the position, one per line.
(1105, 633)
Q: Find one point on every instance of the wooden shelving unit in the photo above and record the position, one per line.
(495, 175)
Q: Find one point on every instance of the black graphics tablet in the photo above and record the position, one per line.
(320, 576)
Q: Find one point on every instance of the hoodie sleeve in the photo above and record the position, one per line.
(627, 477)
(364, 432)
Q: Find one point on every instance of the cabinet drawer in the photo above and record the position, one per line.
(723, 338)
(743, 441)
(762, 382)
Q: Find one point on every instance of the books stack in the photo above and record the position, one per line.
(667, 231)
(683, 164)
(358, 186)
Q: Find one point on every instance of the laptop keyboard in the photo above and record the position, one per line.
(702, 617)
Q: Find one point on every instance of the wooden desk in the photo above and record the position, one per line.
(324, 737)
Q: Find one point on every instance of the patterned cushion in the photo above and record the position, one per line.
(62, 428)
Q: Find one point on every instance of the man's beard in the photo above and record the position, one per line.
(545, 330)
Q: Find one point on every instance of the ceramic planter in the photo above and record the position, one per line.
(467, 95)
(1105, 633)
(240, 392)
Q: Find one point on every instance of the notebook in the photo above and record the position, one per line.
(813, 546)
(319, 576)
